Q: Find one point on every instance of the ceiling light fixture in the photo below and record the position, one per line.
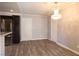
(11, 10)
(56, 13)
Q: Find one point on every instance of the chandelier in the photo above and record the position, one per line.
(56, 14)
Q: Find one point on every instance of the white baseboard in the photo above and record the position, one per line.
(35, 39)
(51, 40)
(39, 38)
(76, 52)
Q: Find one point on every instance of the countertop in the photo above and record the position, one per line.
(5, 33)
(2, 44)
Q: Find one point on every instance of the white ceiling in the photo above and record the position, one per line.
(43, 8)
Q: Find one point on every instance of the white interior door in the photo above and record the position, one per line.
(26, 29)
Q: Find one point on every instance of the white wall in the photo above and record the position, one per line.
(26, 28)
(54, 30)
(67, 28)
(39, 27)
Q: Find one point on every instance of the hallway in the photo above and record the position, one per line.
(37, 48)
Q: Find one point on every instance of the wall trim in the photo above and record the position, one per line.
(15, 13)
(36, 39)
(39, 38)
(52, 40)
(76, 52)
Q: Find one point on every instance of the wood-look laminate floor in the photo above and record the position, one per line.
(37, 48)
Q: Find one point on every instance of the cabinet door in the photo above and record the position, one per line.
(16, 29)
(0, 23)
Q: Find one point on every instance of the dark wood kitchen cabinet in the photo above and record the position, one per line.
(15, 29)
(11, 24)
(0, 23)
